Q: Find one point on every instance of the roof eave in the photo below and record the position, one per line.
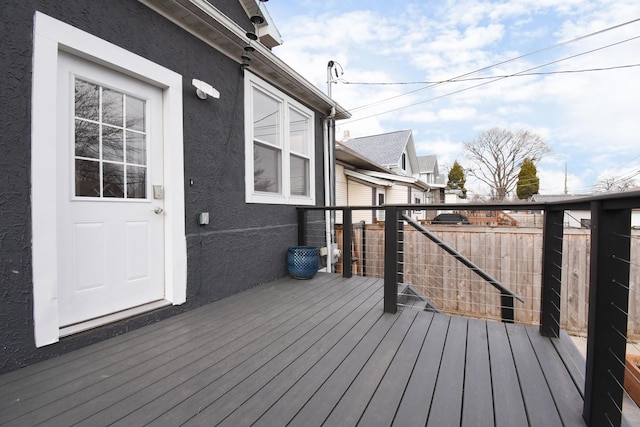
(206, 22)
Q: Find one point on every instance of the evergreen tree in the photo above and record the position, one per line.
(457, 179)
(528, 181)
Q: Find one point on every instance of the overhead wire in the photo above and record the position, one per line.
(493, 79)
(545, 73)
(462, 76)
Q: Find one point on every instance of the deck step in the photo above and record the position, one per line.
(409, 296)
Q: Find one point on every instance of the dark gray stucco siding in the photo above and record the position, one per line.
(243, 246)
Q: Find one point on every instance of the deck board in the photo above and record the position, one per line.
(416, 401)
(560, 383)
(316, 352)
(541, 409)
(477, 407)
(509, 409)
(446, 406)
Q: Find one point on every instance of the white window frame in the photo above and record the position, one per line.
(285, 197)
(50, 37)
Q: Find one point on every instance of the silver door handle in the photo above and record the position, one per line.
(158, 210)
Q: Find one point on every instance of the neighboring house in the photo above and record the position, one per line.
(378, 170)
(126, 197)
(429, 173)
(394, 150)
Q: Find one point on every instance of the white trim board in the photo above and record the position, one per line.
(50, 37)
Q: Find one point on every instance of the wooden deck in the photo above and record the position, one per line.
(304, 353)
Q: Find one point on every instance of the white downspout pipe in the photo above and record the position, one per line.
(328, 186)
(329, 173)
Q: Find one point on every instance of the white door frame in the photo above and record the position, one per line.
(51, 36)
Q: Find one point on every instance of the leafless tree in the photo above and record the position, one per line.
(494, 157)
(614, 185)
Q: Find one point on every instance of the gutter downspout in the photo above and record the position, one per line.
(329, 184)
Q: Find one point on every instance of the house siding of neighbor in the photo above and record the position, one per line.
(388, 165)
(202, 165)
(350, 192)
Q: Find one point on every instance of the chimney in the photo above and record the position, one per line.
(346, 135)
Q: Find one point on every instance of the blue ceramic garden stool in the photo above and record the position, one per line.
(302, 262)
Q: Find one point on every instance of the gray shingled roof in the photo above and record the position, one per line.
(385, 149)
(427, 163)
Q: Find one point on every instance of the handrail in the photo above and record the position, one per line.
(505, 293)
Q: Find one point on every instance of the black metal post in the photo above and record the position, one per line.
(551, 273)
(507, 308)
(346, 243)
(608, 306)
(302, 226)
(390, 260)
(364, 249)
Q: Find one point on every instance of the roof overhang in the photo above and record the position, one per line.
(367, 179)
(355, 159)
(206, 22)
(398, 178)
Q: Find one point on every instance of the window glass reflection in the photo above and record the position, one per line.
(110, 141)
(87, 178)
(298, 132)
(266, 171)
(87, 139)
(136, 182)
(299, 176)
(136, 148)
(87, 100)
(135, 113)
(266, 118)
(112, 180)
(112, 144)
(112, 104)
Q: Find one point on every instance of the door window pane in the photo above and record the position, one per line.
(87, 100)
(299, 176)
(298, 132)
(87, 139)
(112, 180)
(136, 148)
(136, 182)
(112, 107)
(112, 144)
(87, 178)
(266, 118)
(266, 171)
(135, 113)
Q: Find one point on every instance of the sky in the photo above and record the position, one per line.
(590, 119)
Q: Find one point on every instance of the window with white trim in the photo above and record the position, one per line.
(279, 155)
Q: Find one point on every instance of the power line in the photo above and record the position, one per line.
(430, 85)
(493, 80)
(520, 74)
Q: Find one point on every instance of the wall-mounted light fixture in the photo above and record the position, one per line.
(204, 89)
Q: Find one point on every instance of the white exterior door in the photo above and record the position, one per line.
(110, 205)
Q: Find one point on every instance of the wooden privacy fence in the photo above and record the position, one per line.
(511, 255)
